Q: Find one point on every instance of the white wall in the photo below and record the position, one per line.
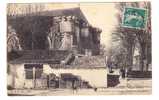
(17, 76)
(95, 77)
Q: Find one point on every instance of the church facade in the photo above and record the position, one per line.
(66, 29)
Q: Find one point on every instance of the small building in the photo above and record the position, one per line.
(52, 69)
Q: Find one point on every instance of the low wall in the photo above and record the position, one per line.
(96, 77)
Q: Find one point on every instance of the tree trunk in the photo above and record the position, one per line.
(142, 57)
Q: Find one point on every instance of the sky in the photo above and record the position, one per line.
(101, 15)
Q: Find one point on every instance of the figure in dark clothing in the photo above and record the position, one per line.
(74, 86)
(122, 73)
(110, 66)
(95, 89)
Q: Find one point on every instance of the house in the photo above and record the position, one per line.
(49, 69)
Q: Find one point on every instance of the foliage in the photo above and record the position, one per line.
(127, 37)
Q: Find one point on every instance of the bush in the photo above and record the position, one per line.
(10, 87)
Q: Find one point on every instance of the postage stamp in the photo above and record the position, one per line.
(134, 18)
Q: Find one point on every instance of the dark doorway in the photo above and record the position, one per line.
(34, 72)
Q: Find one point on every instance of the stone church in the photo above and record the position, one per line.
(65, 29)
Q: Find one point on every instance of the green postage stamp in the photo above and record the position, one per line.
(134, 18)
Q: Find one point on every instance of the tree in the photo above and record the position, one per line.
(128, 36)
(13, 43)
(125, 38)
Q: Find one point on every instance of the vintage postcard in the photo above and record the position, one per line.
(56, 49)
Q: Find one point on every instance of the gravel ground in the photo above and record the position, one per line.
(100, 91)
(135, 87)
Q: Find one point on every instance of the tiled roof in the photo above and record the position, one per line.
(88, 62)
(41, 56)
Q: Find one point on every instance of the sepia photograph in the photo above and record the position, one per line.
(84, 48)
